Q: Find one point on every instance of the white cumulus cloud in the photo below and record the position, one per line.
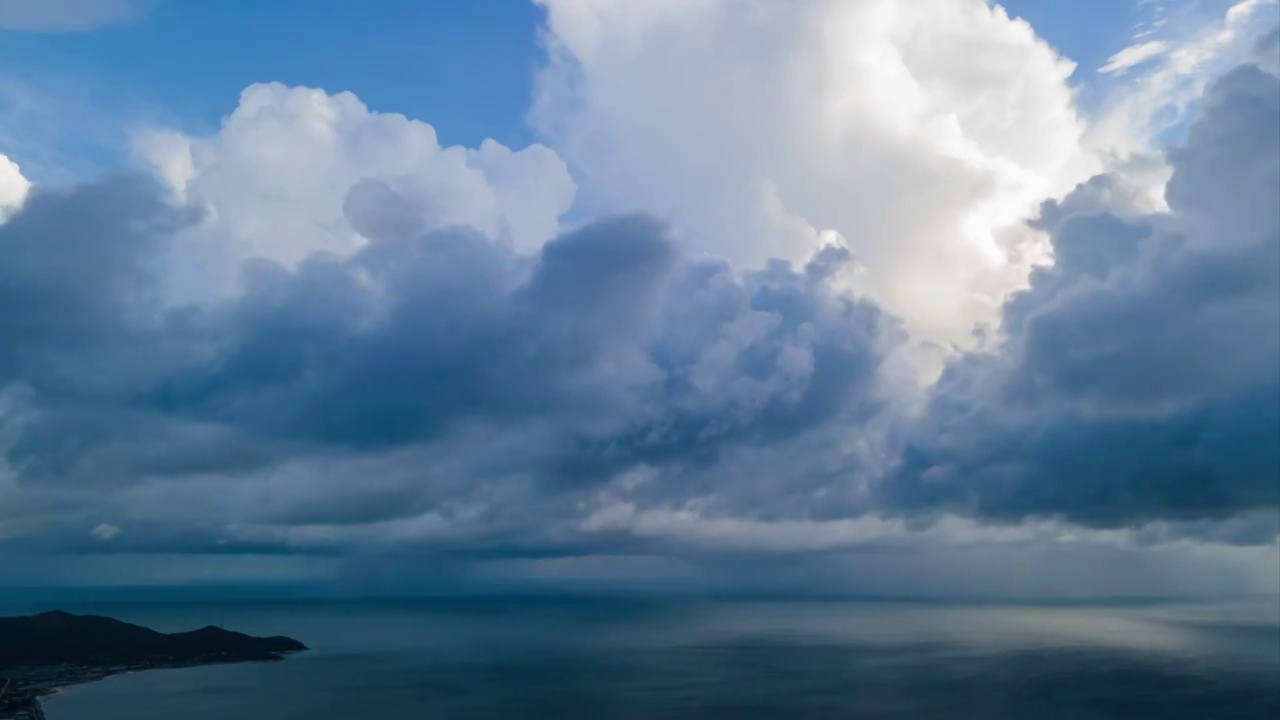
(921, 132)
(13, 186)
(272, 181)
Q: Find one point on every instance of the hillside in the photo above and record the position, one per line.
(61, 638)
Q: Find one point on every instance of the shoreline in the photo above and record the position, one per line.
(29, 707)
(42, 654)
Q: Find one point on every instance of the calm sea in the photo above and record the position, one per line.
(615, 660)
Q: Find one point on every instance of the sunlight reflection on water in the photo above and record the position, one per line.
(601, 659)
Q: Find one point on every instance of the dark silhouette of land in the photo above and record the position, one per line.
(40, 653)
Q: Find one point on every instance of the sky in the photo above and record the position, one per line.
(880, 297)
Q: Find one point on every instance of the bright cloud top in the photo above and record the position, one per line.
(922, 133)
(13, 186)
(272, 181)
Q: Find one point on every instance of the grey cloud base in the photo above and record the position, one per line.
(441, 388)
(602, 354)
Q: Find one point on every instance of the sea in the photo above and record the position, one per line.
(650, 659)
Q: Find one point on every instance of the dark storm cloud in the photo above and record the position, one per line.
(1266, 52)
(79, 324)
(487, 398)
(76, 278)
(1140, 376)
(608, 350)
(411, 335)
(751, 362)
(637, 357)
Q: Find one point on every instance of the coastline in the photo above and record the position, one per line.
(26, 703)
(44, 653)
(27, 709)
(48, 682)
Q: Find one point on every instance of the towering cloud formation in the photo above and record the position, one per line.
(923, 132)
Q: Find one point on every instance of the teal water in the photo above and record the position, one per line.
(615, 660)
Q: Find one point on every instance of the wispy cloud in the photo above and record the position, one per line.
(69, 16)
(1133, 56)
(1160, 78)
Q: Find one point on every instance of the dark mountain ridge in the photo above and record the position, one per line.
(61, 638)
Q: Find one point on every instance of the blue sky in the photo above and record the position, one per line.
(328, 289)
(465, 67)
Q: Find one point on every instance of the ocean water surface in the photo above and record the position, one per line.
(615, 660)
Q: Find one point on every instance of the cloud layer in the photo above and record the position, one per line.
(316, 330)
